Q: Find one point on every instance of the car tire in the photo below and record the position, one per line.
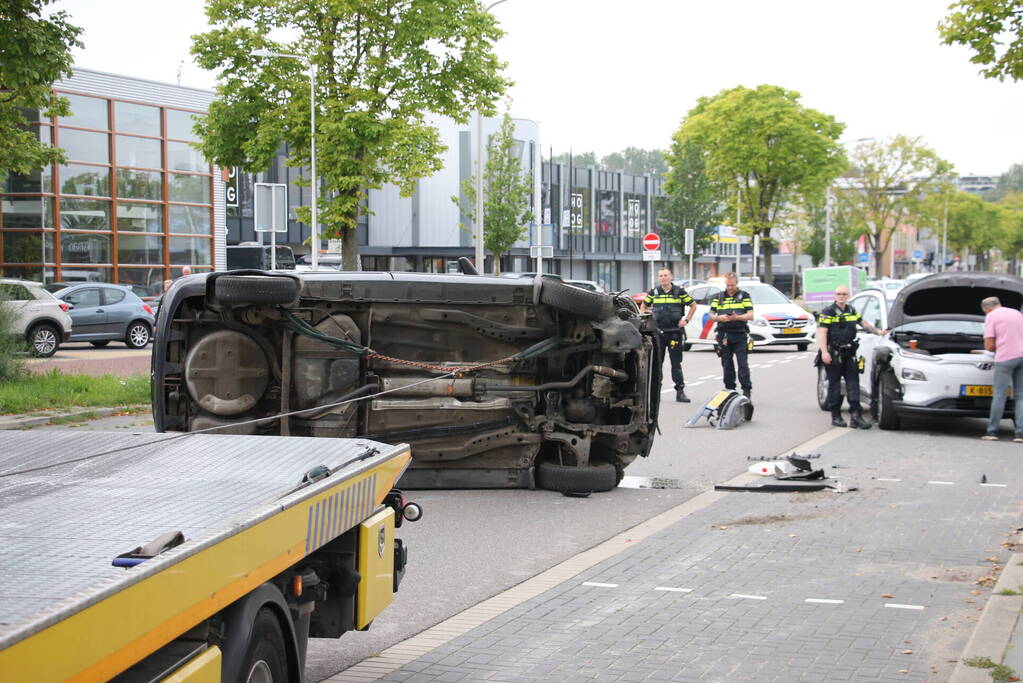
(44, 340)
(267, 657)
(802, 347)
(822, 389)
(256, 289)
(100, 344)
(597, 476)
(582, 302)
(887, 418)
(138, 335)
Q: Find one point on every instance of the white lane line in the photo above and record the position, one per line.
(693, 384)
(748, 597)
(894, 605)
(998, 485)
(674, 590)
(709, 377)
(754, 365)
(883, 479)
(942, 483)
(823, 601)
(787, 360)
(600, 585)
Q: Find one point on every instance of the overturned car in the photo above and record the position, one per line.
(494, 382)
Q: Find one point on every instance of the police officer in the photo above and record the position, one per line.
(836, 339)
(731, 310)
(669, 302)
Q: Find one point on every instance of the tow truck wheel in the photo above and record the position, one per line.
(597, 476)
(266, 660)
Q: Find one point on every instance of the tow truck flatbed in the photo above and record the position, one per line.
(71, 502)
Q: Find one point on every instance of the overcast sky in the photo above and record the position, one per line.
(603, 75)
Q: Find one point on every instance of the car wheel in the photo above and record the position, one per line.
(100, 344)
(887, 418)
(597, 476)
(257, 289)
(822, 389)
(138, 335)
(590, 305)
(802, 347)
(44, 340)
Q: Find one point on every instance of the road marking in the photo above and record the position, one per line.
(998, 485)
(693, 384)
(883, 479)
(823, 601)
(942, 483)
(600, 585)
(710, 377)
(894, 605)
(748, 597)
(674, 590)
(754, 365)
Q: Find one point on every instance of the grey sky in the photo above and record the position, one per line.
(603, 75)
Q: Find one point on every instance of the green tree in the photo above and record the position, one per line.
(506, 190)
(35, 52)
(765, 149)
(1010, 181)
(691, 198)
(636, 161)
(978, 226)
(382, 67)
(1012, 203)
(993, 30)
(578, 159)
(843, 236)
(884, 188)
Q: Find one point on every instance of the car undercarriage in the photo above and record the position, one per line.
(494, 382)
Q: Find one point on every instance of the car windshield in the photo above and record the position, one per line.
(971, 327)
(765, 294)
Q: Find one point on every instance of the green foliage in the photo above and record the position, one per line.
(382, 69)
(636, 161)
(578, 159)
(506, 190)
(11, 365)
(764, 149)
(35, 52)
(843, 237)
(33, 392)
(885, 186)
(984, 26)
(1010, 181)
(692, 199)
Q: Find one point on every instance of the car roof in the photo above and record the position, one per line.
(953, 296)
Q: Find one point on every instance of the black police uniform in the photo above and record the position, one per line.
(668, 309)
(842, 345)
(733, 338)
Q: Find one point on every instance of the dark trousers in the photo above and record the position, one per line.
(674, 354)
(733, 345)
(843, 366)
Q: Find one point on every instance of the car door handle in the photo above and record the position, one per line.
(100, 310)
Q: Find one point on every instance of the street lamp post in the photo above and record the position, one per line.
(313, 185)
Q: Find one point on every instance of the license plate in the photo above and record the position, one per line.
(792, 330)
(976, 390)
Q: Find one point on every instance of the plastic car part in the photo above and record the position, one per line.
(726, 409)
(226, 372)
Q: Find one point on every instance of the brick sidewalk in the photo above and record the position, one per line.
(106, 362)
(873, 585)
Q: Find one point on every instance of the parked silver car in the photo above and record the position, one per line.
(102, 313)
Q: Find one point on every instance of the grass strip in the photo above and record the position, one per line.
(32, 393)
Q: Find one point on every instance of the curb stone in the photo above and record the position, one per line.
(43, 418)
(997, 626)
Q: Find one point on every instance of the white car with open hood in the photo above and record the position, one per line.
(932, 361)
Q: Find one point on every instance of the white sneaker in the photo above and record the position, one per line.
(989, 437)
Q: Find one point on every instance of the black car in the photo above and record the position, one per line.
(496, 382)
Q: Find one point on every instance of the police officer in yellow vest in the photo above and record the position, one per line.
(836, 339)
(731, 310)
(669, 302)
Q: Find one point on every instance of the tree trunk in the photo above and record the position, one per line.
(765, 242)
(349, 249)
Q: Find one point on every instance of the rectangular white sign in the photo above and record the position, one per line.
(652, 255)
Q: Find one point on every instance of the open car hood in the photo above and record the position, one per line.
(953, 296)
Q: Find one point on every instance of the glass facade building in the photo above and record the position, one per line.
(132, 204)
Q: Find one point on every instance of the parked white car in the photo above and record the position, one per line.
(932, 361)
(39, 318)
(776, 320)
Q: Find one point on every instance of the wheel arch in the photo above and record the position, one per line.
(239, 618)
(45, 320)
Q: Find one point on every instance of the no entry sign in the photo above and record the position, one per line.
(651, 241)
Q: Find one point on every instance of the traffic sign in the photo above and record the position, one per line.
(918, 255)
(652, 255)
(652, 241)
(689, 241)
(864, 257)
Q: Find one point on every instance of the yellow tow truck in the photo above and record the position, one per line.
(194, 557)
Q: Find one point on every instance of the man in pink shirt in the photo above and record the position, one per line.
(1003, 334)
